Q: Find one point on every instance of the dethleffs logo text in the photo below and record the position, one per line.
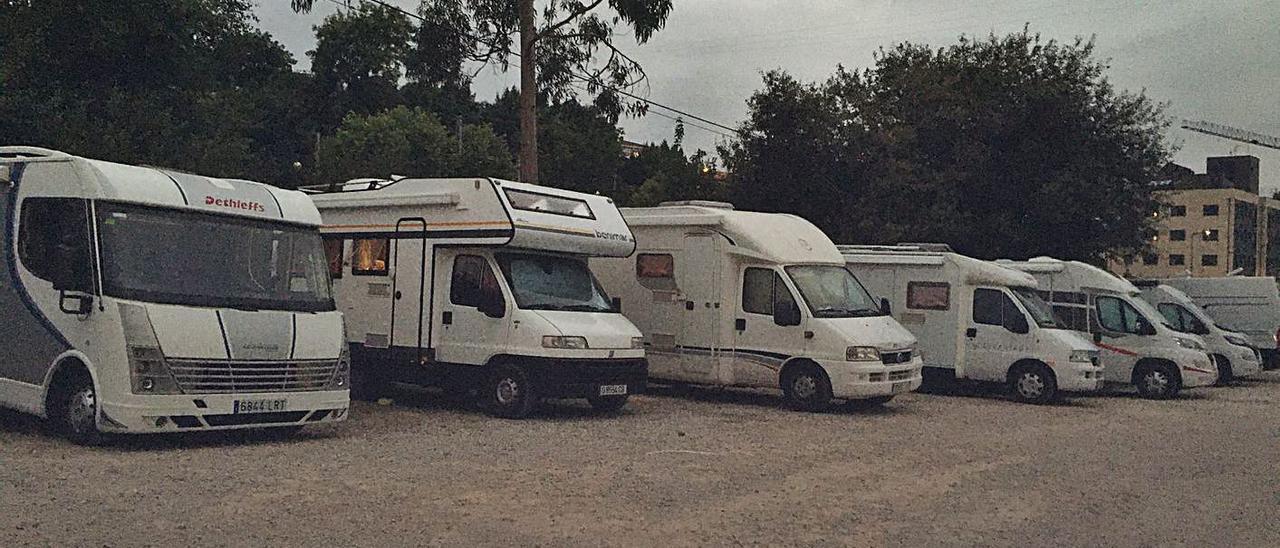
(232, 203)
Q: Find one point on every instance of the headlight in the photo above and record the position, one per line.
(560, 341)
(1189, 343)
(342, 375)
(1236, 340)
(1084, 356)
(637, 342)
(148, 372)
(862, 354)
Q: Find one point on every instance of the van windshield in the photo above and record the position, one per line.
(833, 292)
(199, 259)
(1040, 311)
(551, 282)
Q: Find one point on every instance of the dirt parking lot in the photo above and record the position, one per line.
(678, 467)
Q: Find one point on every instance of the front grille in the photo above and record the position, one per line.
(230, 377)
(890, 358)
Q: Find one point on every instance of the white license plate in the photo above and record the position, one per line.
(613, 390)
(259, 406)
(900, 387)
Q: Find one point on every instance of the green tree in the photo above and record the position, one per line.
(410, 142)
(359, 60)
(1003, 147)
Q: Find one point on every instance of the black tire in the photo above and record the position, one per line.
(869, 403)
(1157, 381)
(1225, 375)
(1033, 383)
(509, 393)
(75, 410)
(608, 404)
(367, 383)
(807, 388)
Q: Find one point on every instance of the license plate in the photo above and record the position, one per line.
(258, 406)
(613, 390)
(900, 387)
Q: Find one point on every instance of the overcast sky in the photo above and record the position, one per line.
(1213, 60)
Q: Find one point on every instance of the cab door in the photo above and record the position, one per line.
(471, 309)
(767, 327)
(1119, 325)
(996, 336)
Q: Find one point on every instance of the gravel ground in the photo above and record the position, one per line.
(678, 467)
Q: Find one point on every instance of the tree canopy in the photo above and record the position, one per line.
(1001, 147)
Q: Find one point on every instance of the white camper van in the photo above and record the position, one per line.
(734, 298)
(977, 320)
(1136, 346)
(481, 285)
(1248, 304)
(144, 300)
(1230, 350)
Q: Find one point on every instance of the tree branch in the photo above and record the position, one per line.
(568, 19)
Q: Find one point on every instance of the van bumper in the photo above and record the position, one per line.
(1200, 372)
(1079, 377)
(854, 381)
(582, 378)
(195, 412)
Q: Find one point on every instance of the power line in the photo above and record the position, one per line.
(580, 77)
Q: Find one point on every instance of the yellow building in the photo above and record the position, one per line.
(1211, 224)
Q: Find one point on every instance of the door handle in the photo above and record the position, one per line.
(398, 295)
(446, 318)
(688, 305)
(971, 332)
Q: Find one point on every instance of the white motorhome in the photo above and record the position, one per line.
(1230, 350)
(1248, 304)
(1136, 346)
(979, 321)
(481, 285)
(141, 300)
(736, 298)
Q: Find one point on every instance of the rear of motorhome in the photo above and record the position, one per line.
(976, 320)
(481, 285)
(139, 300)
(1230, 350)
(1136, 346)
(1247, 304)
(761, 300)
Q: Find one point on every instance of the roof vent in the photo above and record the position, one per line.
(928, 246)
(698, 203)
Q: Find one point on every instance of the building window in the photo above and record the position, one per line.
(1208, 260)
(369, 257)
(1178, 211)
(1211, 235)
(1177, 235)
(1177, 260)
(1211, 210)
(929, 295)
(1150, 259)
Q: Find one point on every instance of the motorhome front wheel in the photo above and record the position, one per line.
(1156, 381)
(1033, 384)
(77, 414)
(807, 388)
(510, 392)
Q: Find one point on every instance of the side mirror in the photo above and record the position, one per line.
(1145, 328)
(76, 304)
(492, 305)
(1097, 337)
(885, 307)
(786, 314)
(616, 304)
(1017, 323)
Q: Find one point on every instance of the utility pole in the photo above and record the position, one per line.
(528, 94)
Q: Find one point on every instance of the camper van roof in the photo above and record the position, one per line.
(975, 271)
(1074, 274)
(162, 187)
(776, 237)
(475, 211)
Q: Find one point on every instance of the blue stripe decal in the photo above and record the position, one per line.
(11, 249)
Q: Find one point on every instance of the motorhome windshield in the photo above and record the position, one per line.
(551, 282)
(833, 292)
(1040, 311)
(198, 259)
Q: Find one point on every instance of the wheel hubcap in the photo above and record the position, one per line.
(508, 391)
(804, 387)
(1030, 385)
(1156, 381)
(82, 413)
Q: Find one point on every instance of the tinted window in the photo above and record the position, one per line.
(654, 265)
(369, 257)
(1178, 211)
(53, 242)
(1073, 317)
(757, 290)
(472, 280)
(1171, 315)
(1210, 210)
(1178, 235)
(1117, 315)
(546, 203)
(929, 295)
(1208, 260)
(1177, 260)
(988, 307)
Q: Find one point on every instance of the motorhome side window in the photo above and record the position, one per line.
(763, 290)
(546, 203)
(53, 242)
(1181, 319)
(333, 255)
(655, 265)
(370, 257)
(1117, 315)
(929, 295)
(472, 280)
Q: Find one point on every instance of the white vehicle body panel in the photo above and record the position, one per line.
(1225, 345)
(1248, 304)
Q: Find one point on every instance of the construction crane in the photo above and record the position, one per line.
(1235, 134)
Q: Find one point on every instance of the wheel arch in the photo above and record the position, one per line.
(1154, 362)
(67, 363)
(795, 363)
(1029, 362)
